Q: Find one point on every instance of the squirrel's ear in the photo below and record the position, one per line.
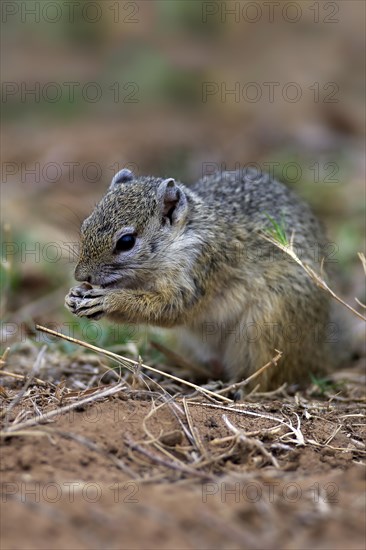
(123, 176)
(172, 200)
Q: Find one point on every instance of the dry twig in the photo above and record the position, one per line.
(315, 277)
(123, 360)
(238, 385)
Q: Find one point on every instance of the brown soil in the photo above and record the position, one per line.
(140, 470)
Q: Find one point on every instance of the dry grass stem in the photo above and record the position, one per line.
(238, 385)
(28, 381)
(4, 356)
(299, 438)
(174, 465)
(22, 377)
(122, 359)
(315, 277)
(195, 433)
(251, 442)
(362, 257)
(24, 433)
(56, 412)
(154, 440)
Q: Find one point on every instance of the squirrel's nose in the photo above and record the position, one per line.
(82, 275)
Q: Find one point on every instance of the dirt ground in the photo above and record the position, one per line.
(152, 466)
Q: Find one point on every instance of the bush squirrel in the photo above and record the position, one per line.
(160, 253)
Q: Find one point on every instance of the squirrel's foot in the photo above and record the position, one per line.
(85, 301)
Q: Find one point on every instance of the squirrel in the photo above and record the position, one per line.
(157, 252)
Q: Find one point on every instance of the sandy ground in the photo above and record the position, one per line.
(140, 469)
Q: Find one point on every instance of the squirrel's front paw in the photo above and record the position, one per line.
(85, 301)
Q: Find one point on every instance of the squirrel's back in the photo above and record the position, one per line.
(255, 200)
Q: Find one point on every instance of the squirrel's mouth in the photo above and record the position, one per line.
(113, 284)
(122, 282)
(128, 280)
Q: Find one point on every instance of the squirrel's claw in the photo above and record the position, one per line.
(86, 303)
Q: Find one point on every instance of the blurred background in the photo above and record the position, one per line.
(170, 88)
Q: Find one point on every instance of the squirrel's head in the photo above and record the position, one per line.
(131, 229)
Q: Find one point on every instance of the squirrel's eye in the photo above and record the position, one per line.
(125, 243)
